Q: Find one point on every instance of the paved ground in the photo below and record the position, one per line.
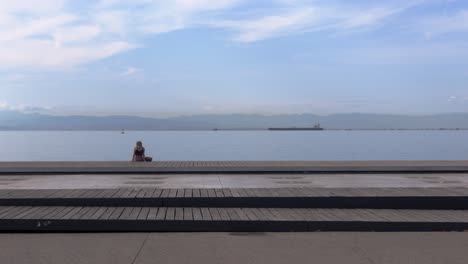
(89, 181)
(271, 248)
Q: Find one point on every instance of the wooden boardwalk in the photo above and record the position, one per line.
(377, 198)
(232, 167)
(131, 219)
(231, 209)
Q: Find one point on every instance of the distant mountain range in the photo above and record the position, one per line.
(12, 120)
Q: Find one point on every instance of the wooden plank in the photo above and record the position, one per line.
(179, 214)
(116, 213)
(144, 213)
(204, 192)
(89, 213)
(248, 192)
(126, 213)
(188, 214)
(165, 193)
(267, 213)
(20, 193)
(242, 215)
(13, 213)
(42, 213)
(258, 192)
(107, 213)
(250, 214)
(108, 194)
(242, 192)
(211, 193)
(85, 193)
(214, 214)
(45, 194)
(26, 213)
(53, 214)
(172, 193)
(232, 214)
(180, 193)
(126, 193)
(223, 214)
(98, 213)
(226, 192)
(279, 216)
(82, 212)
(234, 192)
(187, 193)
(259, 214)
(95, 193)
(153, 211)
(142, 193)
(102, 193)
(32, 214)
(8, 209)
(75, 193)
(170, 214)
(119, 193)
(161, 215)
(219, 193)
(157, 193)
(135, 213)
(197, 215)
(134, 193)
(206, 215)
(65, 211)
(149, 192)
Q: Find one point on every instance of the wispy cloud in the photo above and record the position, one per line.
(458, 99)
(130, 71)
(271, 26)
(4, 105)
(294, 18)
(64, 33)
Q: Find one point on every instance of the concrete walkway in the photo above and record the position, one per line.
(226, 248)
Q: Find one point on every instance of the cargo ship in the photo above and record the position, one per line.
(315, 127)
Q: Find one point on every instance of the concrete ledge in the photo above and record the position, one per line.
(233, 167)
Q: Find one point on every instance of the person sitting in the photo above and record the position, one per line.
(139, 152)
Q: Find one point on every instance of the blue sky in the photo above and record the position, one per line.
(159, 58)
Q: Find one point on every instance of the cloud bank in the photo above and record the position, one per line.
(57, 34)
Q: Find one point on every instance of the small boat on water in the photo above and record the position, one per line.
(316, 127)
(122, 132)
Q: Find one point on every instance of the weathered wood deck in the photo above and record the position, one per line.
(232, 166)
(377, 198)
(230, 209)
(233, 209)
(130, 219)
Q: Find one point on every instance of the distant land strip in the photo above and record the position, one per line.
(14, 120)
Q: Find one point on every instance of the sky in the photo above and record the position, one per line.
(179, 57)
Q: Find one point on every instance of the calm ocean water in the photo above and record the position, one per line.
(235, 145)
